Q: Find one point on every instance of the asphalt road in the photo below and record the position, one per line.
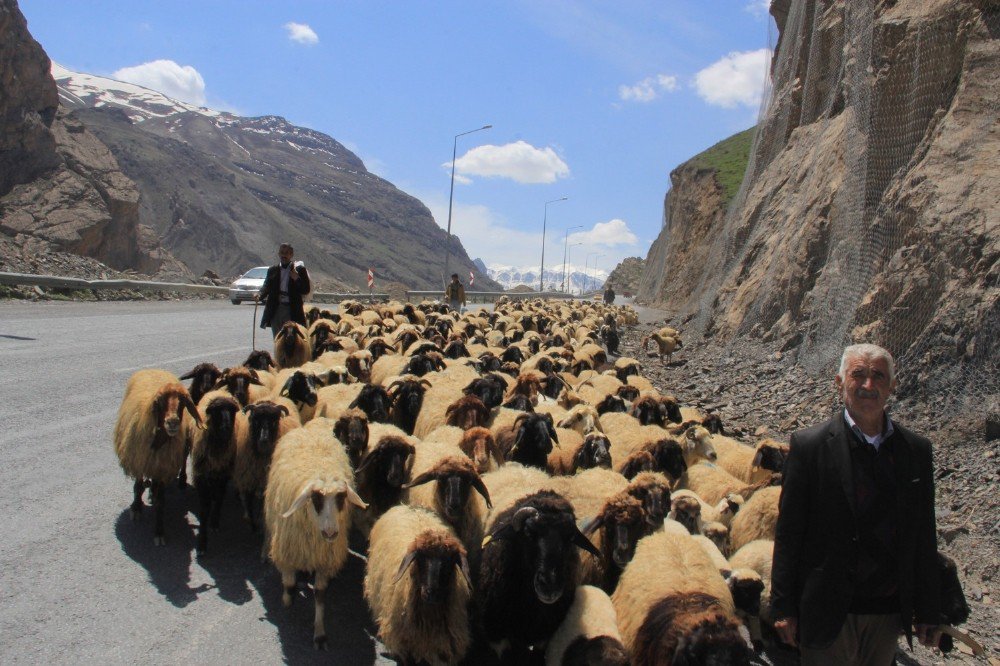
(79, 581)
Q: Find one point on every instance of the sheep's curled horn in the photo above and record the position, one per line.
(522, 515)
(433, 475)
(412, 555)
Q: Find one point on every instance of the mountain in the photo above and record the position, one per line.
(221, 191)
(626, 275)
(577, 280)
(867, 212)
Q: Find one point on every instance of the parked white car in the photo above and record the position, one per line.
(247, 285)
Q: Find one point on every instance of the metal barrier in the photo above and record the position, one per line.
(56, 282)
(487, 296)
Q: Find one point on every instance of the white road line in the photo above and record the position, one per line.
(167, 361)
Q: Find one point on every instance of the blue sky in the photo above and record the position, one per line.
(594, 101)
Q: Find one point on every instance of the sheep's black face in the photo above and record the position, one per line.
(547, 546)
(406, 405)
(611, 404)
(626, 372)
(671, 411)
(648, 412)
(301, 388)
(259, 360)
(623, 539)
(534, 441)
(264, 428)
(520, 403)
(669, 458)
(221, 414)
(453, 493)
(534, 344)
(394, 465)
(771, 458)
(654, 503)
(490, 362)
(406, 339)
(628, 392)
(552, 386)
(418, 365)
(595, 452)
(456, 349)
(746, 594)
(488, 389)
(713, 642)
(353, 433)
(513, 355)
(374, 401)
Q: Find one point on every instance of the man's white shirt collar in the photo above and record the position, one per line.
(877, 439)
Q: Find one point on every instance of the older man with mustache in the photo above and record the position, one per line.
(855, 545)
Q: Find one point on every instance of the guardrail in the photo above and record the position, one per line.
(57, 282)
(487, 296)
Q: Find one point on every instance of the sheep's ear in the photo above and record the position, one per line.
(249, 408)
(298, 332)
(404, 565)
(463, 566)
(187, 375)
(426, 383)
(300, 500)
(354, 498)
(477, 483)
(757, 459)
(591, 525)
(583, 542)
(421, 479)
(283, 410)
(354, 403)
(189, 405)
(254, 377)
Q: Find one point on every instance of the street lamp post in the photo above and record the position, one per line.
(568, 250)
(541, 270)
(586, 273)
(566, 254)
(451, 198)
(594, 283)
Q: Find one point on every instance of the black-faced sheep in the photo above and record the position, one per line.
(594, 451)
(757, 556)
(213, 456)
(306, 509)
(148, 438)
(203, 377)
(521, 403)
(418, 586)
(527, 572)
(589, 635)
(300, 388)
(267, 423)
(636, 463)
(653, 490)
(612, 404)
(291, 345)
(407, 396)
(529, 440)
(260, 360)
(675, 608)
(238, 381)
(383, 472)
(489, 388)
(374, 401)
(619, 525)
(749, 464)
(351, 428)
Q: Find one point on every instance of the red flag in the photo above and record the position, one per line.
(472, 278)
(371, 278)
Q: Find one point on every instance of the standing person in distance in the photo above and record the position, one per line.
(609, 295)
(454, 293)
(284, 288)
(855, 547)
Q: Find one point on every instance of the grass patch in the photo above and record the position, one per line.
(728, 159)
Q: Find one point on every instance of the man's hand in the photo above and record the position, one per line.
(787, 627)
(927, 634)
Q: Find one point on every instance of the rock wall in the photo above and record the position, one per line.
(869, 210)
(60, 187)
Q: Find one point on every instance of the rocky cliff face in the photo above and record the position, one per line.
(869, 207)
(625, 276)
(60, 187)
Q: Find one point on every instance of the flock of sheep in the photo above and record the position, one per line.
(515, 485)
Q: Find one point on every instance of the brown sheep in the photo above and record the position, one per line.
(757, 518)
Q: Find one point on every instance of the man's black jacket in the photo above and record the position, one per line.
(270, 293)
(816, 540)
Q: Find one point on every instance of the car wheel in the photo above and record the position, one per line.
(236, 301)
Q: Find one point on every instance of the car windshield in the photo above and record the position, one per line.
(255, 273)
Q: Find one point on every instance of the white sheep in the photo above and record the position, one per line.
(309, 488)
(419, 588)
(589, 633)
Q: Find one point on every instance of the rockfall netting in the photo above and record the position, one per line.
(900, 248)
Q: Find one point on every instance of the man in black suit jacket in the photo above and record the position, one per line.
(855, 545)
(283, 289)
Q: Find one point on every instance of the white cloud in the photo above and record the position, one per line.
(759, 8)
(519, 161)
(736, 79)
(648, 89)
(301, 33)
(606, 234)
(182, 83)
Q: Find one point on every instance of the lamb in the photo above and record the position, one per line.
(291, 345)
(589, 634)
(148, 438)
(529, 440)
(673, 606)
(309, 488)
(267, 423)
(443, 479)
(527, 572)
(213, 456)
(418, 586)
(757, 556)
(757, 519)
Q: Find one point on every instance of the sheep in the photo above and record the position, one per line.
(359, 364)
(722, 512)
(442, 480)
(240, 381)
(718, 534)
(588, 490)
(756, 519)
(444, 405)
(148, 438)
(751, 465)
(291, 345)
(332, 401)
(260, 360)
(593, 451)
(213, 456)
(309, 488)
(489, 388)
(665, 344)
(467, 412)
(636, 463)
(383, 473)
(757, 556)
(529, 440)
(351, 428)
(626, 367)
(510, 483)
(619, 525)
(374, 401)
(203, 377)
(611, 404)
(477, 444)
(582, 418)
(527, 572)
(299, 387)
(267, 423)
(712, 483)
(589, 634)
(674, 608)
(653, 490)
(686, 510)
(407, 396)
(418, 586)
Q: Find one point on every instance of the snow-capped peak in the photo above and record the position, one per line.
(78, 89)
